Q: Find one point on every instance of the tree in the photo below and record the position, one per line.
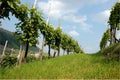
(114, 22)
(49, 37)
(58, 36)
(43, 30)
(69, 47)
(76, 47)
(7, 6)
(105, 39)
(64, 41)
(27, 29)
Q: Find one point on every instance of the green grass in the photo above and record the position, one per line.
(74, 66)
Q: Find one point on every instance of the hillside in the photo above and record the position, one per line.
(7, 35)
(74, 66)
(12, 42)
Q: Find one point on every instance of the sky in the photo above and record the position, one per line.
(84, 20)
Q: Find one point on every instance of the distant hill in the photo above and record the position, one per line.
(12, 42)
(7, 35)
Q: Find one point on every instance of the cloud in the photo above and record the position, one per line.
(60, 8)
(102, 17)
(67, 10)
(74, 18)
(81, 20)
(73, 33)
(57, 8)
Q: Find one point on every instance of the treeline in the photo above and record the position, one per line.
(109, 36)
(110, 44)
(32, 24)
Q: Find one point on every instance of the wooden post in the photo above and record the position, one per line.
(43, 43)
(119, 1)
(41, 53)
(1, 58)
(12, 50)
(4, 48)
(35, 1)
(19, 55)
(63, 52)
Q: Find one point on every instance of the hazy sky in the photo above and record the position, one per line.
(84, 20)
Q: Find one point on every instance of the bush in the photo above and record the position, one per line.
(116, 53)
(8, 61)
(45, 57)
(31, 58)
(112, 51)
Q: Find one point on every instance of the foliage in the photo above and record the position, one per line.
(75, 66)
(77, 48)
(64, 41)
(7, 6)
(58, 33)
(27, 28)
(105, 39)
(115, 15)
(27, 31)
(58, 37)
(49, 37)
(8, 61)
(43, 27)
(114, 22)
(21, 12)
(31, 58)
(112, 51)
(69, 47)
(69, 44)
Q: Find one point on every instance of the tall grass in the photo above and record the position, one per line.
(75, 66)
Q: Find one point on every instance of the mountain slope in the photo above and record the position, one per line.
(7, 35)
(12, 42)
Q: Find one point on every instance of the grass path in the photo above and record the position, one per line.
(75, 66)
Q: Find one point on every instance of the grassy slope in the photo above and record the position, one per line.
(72, 67)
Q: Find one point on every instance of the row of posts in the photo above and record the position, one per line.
(19, 57)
